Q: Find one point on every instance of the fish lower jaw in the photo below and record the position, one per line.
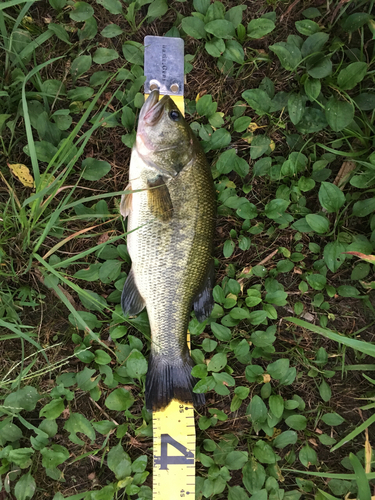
(143, 148)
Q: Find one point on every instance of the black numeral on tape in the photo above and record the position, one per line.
(164, 460)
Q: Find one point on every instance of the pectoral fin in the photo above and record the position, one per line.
(159, 199)
(126, 202)
(204, 301)
(131, 300)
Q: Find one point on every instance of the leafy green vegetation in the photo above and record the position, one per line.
(283, 102)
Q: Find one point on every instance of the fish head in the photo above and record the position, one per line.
(164, 139)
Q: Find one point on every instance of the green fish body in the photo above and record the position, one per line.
(171, 222)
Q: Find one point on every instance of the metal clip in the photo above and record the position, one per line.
(164, 65)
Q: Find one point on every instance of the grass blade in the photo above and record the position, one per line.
(371, 380)
(34, 45)
(369, 406)
(56, 214)
(62, 153)
(327, 475)
(29, 132)
(3, 31)
(92, 453)
(343, 153)
(72, 236)
(77, 496)
(364, 492)
(6, 381)
(20, 333)
(354, 433)
(87, 252)
(19, 19)
(12, 3)
(359, 345)
(327, 495)
(11, 336)
(360, 368)
(68, 304)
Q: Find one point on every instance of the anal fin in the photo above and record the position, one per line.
(131, 300)
(159, 199)
(204, 301)
(126, 202)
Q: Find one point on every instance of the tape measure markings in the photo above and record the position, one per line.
(174, 452)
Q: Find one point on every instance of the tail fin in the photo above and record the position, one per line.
(166, 381)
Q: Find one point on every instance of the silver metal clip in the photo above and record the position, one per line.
(164, 65)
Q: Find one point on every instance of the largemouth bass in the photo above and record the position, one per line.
(172, 222)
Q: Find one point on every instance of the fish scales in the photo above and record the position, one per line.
(171, 252)
(170, 259)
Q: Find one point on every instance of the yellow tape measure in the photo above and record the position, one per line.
(173, 427)
(174, 452)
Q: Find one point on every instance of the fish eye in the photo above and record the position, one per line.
(174, 115)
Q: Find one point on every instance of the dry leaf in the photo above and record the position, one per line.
(276, 432)
(65, 414)
(308, 317)
(368, 453)
(367, 258)
(248, 137)
(67, 295)
(341, 178)
(252, 127)
(22, 173)
(201, 94)
(103, 238)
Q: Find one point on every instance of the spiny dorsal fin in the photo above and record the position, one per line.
(126, 202)
(159, 199)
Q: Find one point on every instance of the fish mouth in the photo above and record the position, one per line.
(152, 109)
(151, 112)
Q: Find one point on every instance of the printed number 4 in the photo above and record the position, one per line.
(164, 460)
